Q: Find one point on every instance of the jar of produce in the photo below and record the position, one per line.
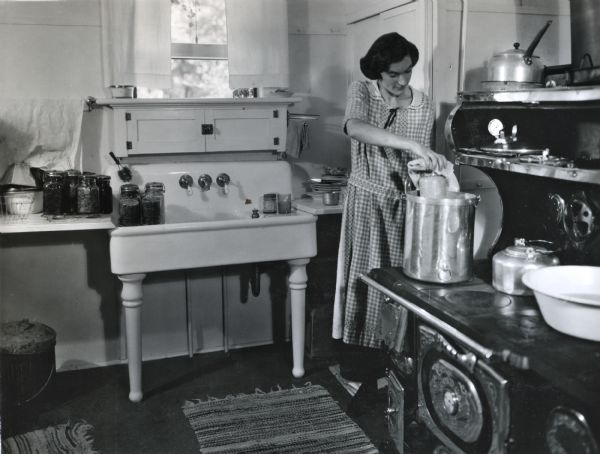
(129, 205)
(72, 180)
(105, 194)
(53, 193)
(153, 204)
(88, 195)
(269, 203)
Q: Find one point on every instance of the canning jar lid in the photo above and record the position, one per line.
(72, 172)
(54, 174)
(103, 177)
(129, 189)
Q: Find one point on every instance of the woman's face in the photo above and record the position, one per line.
(395, 80)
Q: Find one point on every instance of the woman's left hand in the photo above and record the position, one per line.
(433, 160)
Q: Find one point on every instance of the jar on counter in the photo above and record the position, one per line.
(72, 180)
(105, 194)
(153, 204)
(53, 193)
(269, 203)
(130, 203)
(88, 195)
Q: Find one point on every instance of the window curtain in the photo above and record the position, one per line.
(136, 42)
(257, 43)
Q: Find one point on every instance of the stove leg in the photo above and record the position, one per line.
(132, 298)
(297, 283)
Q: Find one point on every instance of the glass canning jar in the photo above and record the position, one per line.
(105, 194)
(153, 203)
(88, 195)
(53, 192)
(130, 203)
(72, 180)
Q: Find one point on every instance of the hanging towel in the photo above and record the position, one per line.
(39, 132)
(136, 42)
(416, 166)
(297, 137)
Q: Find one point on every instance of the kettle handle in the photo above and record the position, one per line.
(529, 52)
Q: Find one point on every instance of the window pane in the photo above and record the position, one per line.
(195, 79)
(198, 21)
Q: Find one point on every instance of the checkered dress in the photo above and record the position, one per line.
(373, 223)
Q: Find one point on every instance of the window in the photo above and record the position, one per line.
(198, 51)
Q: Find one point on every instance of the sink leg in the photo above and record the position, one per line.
(132, 297)
(297, 282)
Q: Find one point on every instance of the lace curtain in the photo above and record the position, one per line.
(136, 42)
(257, 43)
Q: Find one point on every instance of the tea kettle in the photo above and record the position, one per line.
(517, 65)
(510, 264)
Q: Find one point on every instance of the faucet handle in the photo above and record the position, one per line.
(186, 181)
(204, 181)
(223, 180)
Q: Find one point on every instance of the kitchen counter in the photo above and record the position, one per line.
(511, 327)
(39, 223)
(316, 206)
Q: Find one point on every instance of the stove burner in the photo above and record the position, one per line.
(474, 299)
(555, 161)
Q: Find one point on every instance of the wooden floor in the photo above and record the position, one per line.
(157, 424)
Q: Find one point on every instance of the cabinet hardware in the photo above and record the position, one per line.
(129, 145)
(207, 129)
(275, 114)
(275, 140)
(127, 116)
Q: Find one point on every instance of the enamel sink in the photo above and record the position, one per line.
(211, 228)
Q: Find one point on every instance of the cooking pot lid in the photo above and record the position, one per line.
(513, 149)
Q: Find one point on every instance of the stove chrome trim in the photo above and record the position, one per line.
(442, 326)
(537, 95)
(540, 170)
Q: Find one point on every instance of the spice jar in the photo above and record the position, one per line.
(105, 194)
(53, 193)
(72, 180)
(129, 205)
(153, 204)
(88, 198)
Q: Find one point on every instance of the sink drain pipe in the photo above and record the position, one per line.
(255, 280)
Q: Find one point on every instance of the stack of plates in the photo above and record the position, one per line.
(327, 183)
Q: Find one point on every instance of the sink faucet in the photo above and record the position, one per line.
(223, 181)
(204, 181)
(186, 182)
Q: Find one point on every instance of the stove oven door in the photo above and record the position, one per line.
(394, 413)
(462, 400)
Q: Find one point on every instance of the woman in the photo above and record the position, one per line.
(390, 123)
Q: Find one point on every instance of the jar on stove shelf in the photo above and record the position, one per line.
(53, 193)
(130, 203)
(88, 195)
(153, 204)
(105, 194)
(72, 180)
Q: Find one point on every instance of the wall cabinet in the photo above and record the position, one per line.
(168, 126)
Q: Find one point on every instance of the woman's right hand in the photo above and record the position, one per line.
(433, 160)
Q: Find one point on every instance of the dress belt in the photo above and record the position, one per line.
(374, 188)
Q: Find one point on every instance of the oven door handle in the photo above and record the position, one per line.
(442, 326)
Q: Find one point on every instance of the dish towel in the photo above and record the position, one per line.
(417, 166)
(297, 137)
(40, 132)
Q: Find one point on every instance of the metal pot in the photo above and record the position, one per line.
(517, 65)
(438, 237)
(510, 264)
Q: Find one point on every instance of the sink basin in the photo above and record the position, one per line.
(211, 228)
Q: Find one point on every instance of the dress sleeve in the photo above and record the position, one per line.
(357, 106)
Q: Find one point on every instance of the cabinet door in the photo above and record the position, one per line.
(156, 131)
(244, 128)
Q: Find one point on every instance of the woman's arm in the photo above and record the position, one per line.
(367, 133)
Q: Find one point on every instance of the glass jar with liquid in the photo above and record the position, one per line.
(54, 181)
(72, 180)
(153, 204)
(88, 195)
(130, 203)
(105, 194)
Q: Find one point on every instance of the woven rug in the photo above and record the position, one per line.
(71, 438)
(299, 420)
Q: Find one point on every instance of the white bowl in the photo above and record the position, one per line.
(569, 298)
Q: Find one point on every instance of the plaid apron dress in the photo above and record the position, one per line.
(373, 217)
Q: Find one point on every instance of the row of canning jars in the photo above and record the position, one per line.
(73, 192)
(136, 208)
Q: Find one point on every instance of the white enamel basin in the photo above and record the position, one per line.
(212, 228)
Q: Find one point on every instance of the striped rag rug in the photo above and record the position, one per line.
(298, 420)
(71, 438)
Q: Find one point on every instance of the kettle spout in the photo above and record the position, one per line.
(529, 52)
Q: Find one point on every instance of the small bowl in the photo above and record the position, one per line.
(569, 298)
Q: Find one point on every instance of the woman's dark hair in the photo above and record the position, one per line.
(387, 49)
